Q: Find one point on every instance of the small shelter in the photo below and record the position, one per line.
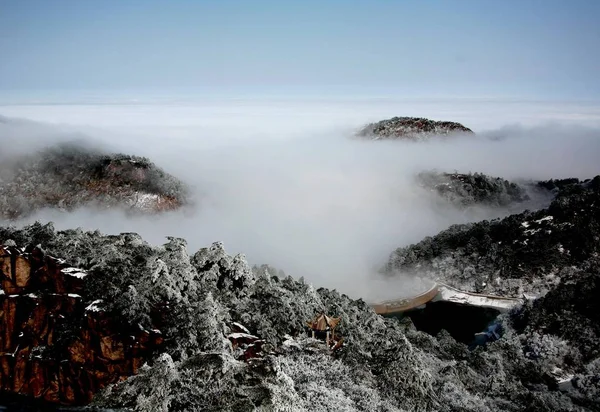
(323, 327)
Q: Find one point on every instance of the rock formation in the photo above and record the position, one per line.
(411, 128)
(72, 175)
(54, 345)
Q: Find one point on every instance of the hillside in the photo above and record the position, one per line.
(69, 175)
(522, 253)
(206, 305)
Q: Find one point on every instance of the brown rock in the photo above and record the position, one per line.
(111, 348)
(40, 293)
(22, 272)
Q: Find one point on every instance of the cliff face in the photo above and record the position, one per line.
(52, 345)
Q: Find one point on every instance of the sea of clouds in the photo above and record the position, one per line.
(284, 182)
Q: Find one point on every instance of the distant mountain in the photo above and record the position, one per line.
(70, 175)
(411, 128)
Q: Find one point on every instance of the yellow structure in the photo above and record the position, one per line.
(324, 325)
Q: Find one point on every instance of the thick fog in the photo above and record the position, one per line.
(285, 183)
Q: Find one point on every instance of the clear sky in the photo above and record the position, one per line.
(517, 48)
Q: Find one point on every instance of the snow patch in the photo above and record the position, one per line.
(78, 273)
(544, 219)
(241, 327)
(93, 307)
(449, 294)
(242, 336)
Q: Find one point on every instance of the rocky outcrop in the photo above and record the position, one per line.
(411, 128)
(53, 345)
(68, 176)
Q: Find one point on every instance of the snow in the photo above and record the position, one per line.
(525, 224)
(146, 200)
(241, 327)
(561, 249)
(32, 296)
(450, 294)
(1, 292)
(93, 307)
(78, 273)
(544, 219)
(73, 295)
(242, 336)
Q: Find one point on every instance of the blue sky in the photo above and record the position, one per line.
(527, 48)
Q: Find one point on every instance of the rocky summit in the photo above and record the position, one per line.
(234, 337)
(411, 128)
(71, 175)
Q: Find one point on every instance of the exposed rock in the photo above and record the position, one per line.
(52, 347)
(411, 128)
(71, 175)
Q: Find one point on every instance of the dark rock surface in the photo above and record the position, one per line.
(71, 175)
(54, 345)
(411, 128)
(385, 365)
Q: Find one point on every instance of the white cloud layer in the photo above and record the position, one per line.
(282, 182)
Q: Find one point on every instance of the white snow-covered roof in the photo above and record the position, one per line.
(242, 336)
(241, 327)
(78, 273)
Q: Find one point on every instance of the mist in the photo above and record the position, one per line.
(286, 184)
